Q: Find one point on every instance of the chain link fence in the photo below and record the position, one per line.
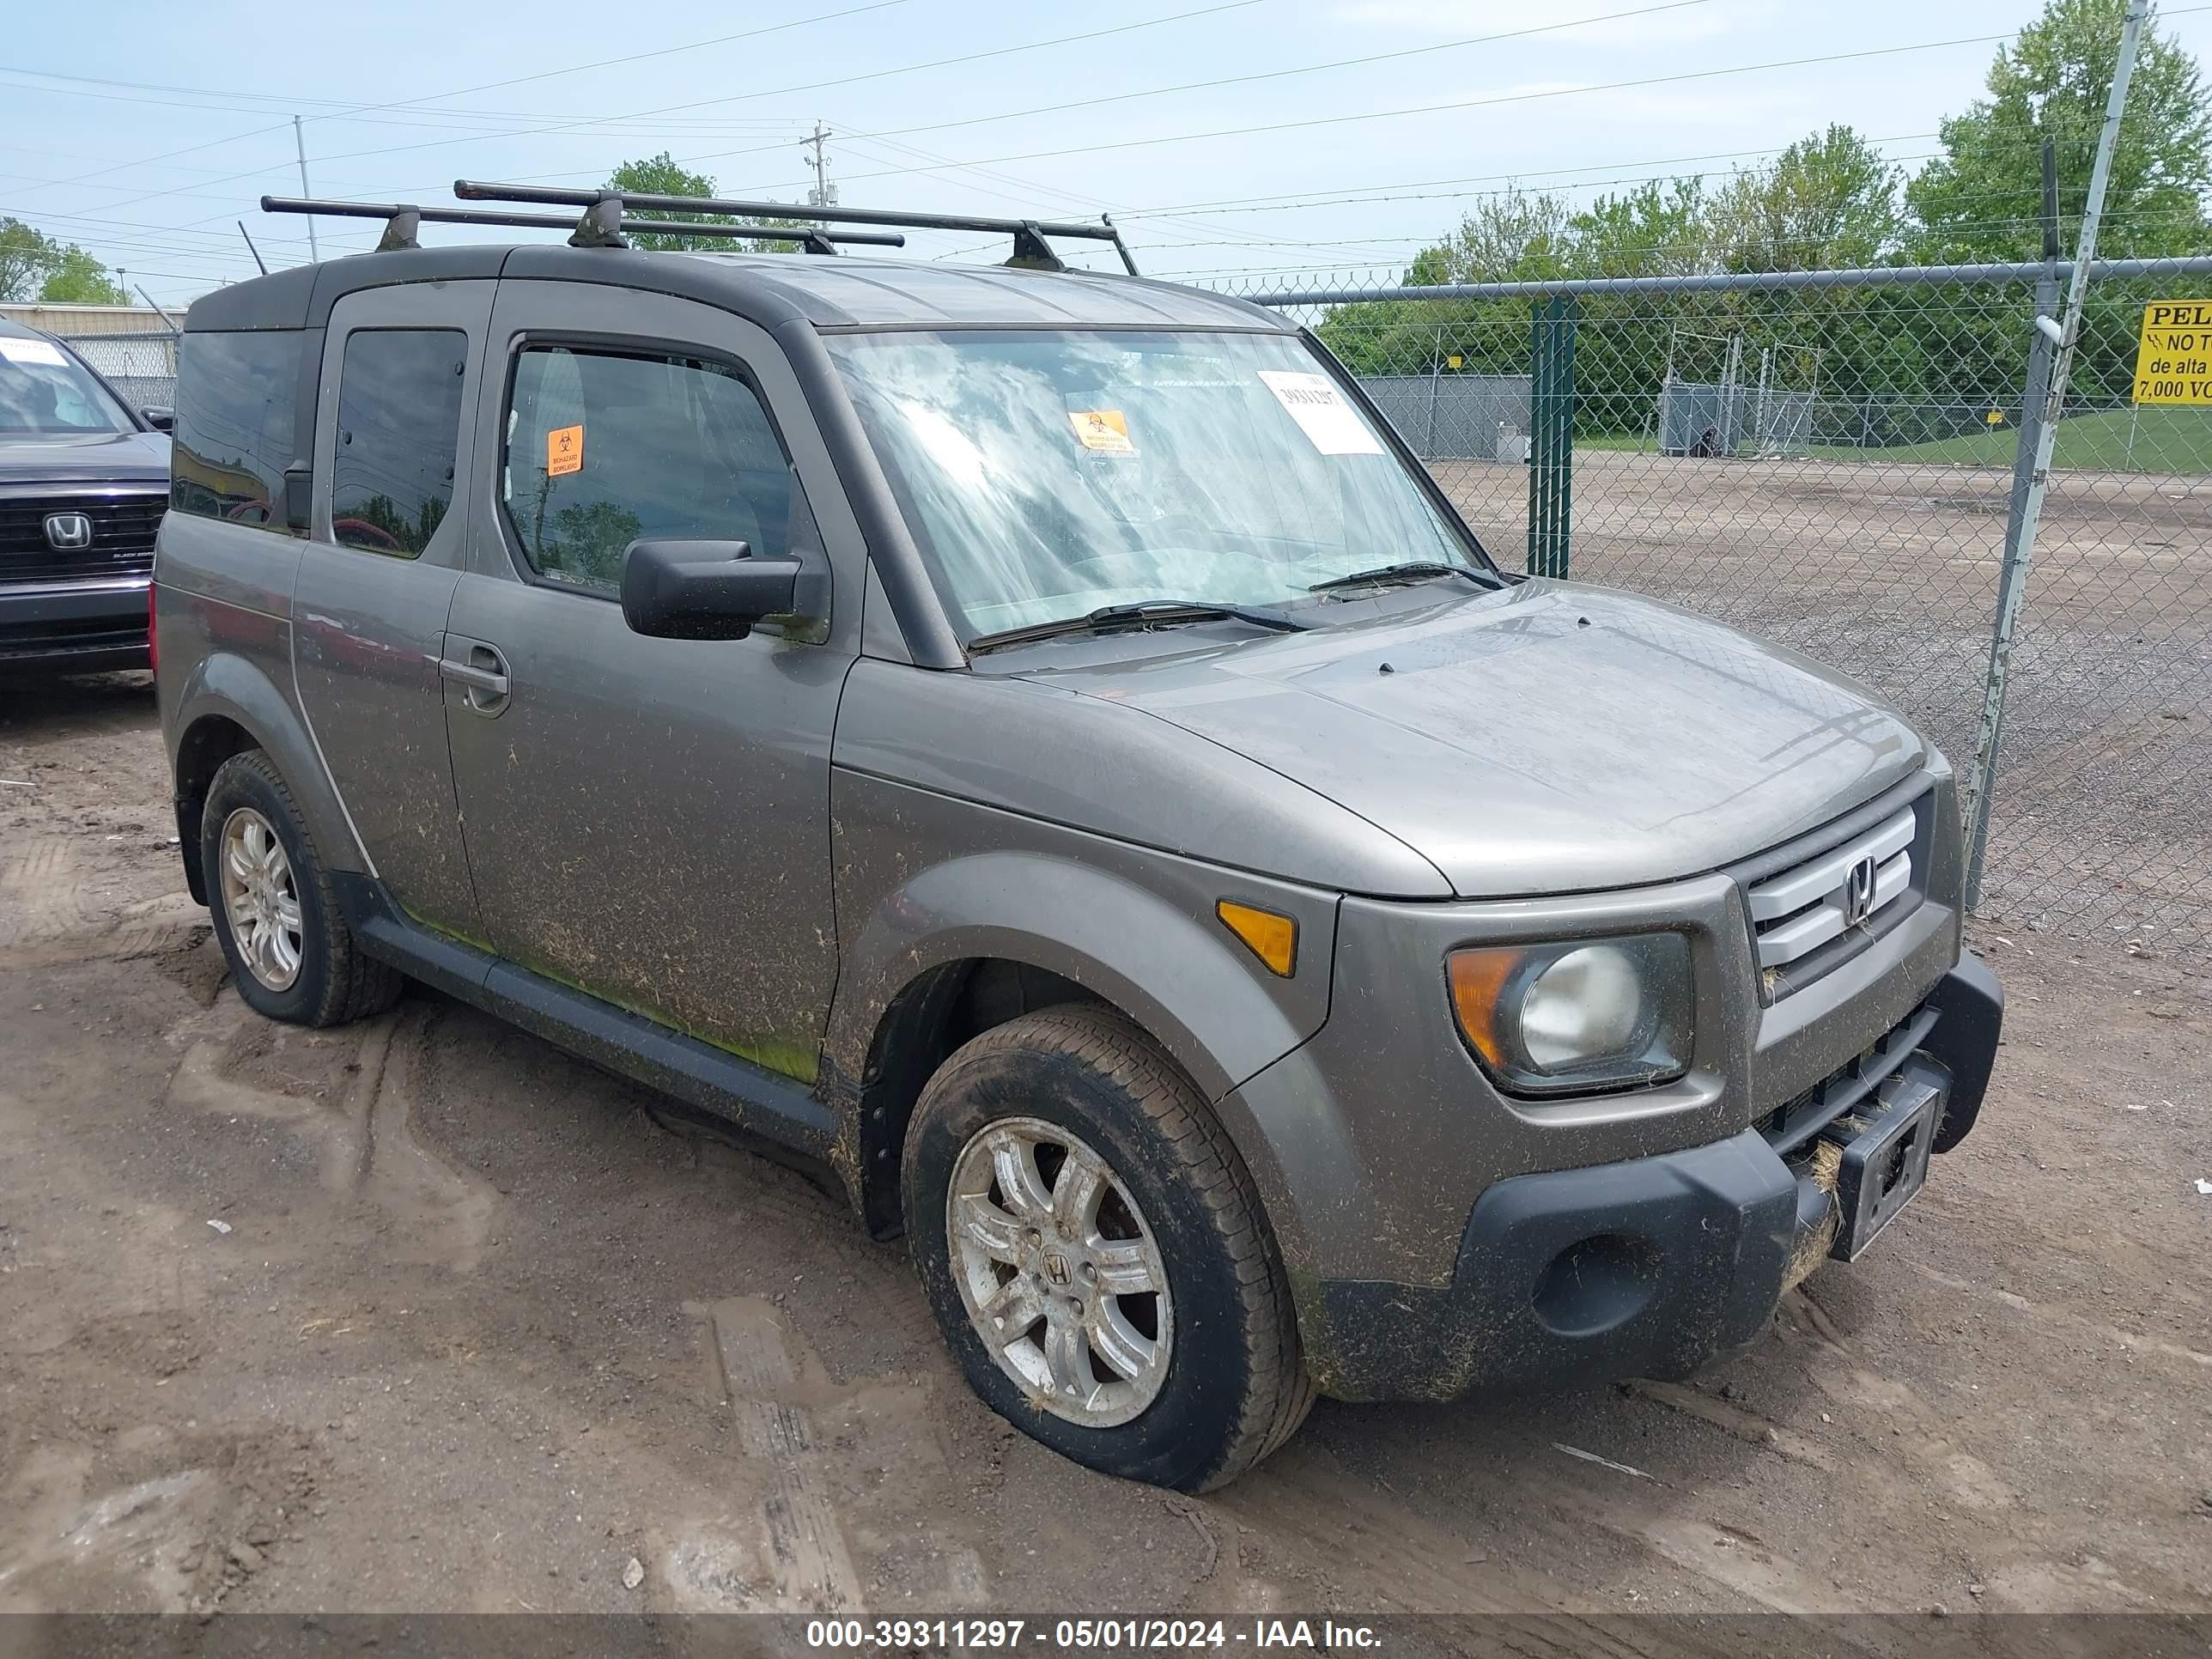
(1828, 459)
(141, 365)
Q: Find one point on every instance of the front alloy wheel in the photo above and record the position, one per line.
(261, 899)
(1096, 1253)
(1059, 1274)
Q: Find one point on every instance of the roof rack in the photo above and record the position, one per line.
(402, 220)
(604, 210)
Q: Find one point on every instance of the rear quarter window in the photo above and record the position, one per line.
(237, 400)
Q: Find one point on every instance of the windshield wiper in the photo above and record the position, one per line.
(1144, 613)
(1412, 570)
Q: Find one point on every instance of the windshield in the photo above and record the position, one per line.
(1047, 475)
(47, 393)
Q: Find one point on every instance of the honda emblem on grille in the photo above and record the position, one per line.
(68, 532)
(1858, 892)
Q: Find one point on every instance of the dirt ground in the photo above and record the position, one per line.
(476, 1331)
(1888, 571)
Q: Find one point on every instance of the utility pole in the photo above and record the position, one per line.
(2032, 479)
(824, 194)
(300, 147)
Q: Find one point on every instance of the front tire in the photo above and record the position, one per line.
(291, 954)
(1096, 1256)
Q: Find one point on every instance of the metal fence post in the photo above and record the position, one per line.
(2034, 411)
(1552, 441)
(1430, 447)
(2026, 511)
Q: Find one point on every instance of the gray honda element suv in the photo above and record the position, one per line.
(1039, 744)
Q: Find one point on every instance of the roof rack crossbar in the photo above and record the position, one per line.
(402, 219)
(818, 240)
(1024, 231)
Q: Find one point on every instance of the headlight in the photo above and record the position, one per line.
(1560, 1018)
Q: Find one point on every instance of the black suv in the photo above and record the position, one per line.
(84, 479)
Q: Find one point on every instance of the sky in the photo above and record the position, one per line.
(1225, 136)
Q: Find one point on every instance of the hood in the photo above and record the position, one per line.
(1550, 738)
(97, 458)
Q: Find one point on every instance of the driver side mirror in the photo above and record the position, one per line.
(704, 590)
(160, 416)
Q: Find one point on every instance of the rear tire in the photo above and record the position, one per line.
(1008, 1138)
(291, 954)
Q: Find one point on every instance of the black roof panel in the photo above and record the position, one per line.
(845, 292)
(277, 301)
(849, 292)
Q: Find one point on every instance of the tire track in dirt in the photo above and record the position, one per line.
(43, 891)
(810, 1540)
(370, 1149)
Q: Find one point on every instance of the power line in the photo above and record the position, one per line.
(404, 103)
(1494, 101)
(1268, 75)
(1179, 212)
(608, 120)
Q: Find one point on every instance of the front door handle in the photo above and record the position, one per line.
(482, 677)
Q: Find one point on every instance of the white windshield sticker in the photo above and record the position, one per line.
(33, 352)
(1319, 408)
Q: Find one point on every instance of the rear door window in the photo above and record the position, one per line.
(237, 395)
(399, 422)
(604, 448)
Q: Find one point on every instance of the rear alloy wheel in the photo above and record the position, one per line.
(261, 899)
(291, 954)
(1096, 1256)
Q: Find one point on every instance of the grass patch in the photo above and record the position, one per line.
(2177, 440)
(2116, 440)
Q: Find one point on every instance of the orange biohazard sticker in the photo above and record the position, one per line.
(1102, 429)
(564, 451)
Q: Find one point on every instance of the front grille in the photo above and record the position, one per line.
(123, 530)
(1817, 901)
(1795, 912)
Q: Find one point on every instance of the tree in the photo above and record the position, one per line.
(1653, 230)
(1981, 199)
(33, 265)
(1828, 202)
(26, 255)
(77, 278)
(661, 175)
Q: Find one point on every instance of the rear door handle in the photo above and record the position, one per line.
(482, 676)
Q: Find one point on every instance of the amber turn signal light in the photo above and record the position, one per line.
(1478, 983)
(1273, 938)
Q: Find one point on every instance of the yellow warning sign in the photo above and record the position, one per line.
(1102, 429)
(564, 451)
(2173, 361)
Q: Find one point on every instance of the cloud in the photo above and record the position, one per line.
(1699, 21)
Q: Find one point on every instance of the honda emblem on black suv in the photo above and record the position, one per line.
(68, 532)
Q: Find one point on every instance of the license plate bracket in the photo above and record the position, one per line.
(1884, 1164)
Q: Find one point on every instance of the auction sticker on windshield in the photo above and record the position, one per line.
(1104, 430)
(1332, 424)
(34, 351)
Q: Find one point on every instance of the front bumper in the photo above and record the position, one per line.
(75, 628)
(1654, 1267)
